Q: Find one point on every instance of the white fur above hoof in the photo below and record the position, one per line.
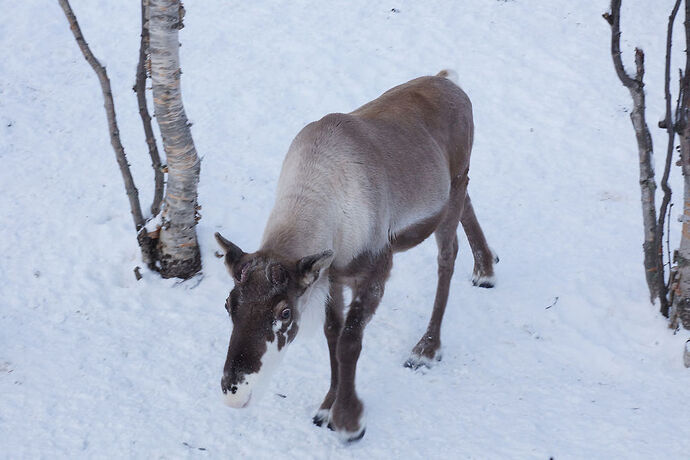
(355, 430)
(415, 361)
(484, 281)
(351, 436)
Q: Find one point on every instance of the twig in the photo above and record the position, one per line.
(193, 447)
(670, 130)
(140, 89)
(132, 192)
(555, 301)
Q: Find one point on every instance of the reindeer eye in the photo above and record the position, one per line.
(285, 314)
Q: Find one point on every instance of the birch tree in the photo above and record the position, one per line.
(673, 291)
(170, 247)
(178, 246)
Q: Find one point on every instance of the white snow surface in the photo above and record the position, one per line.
(94, 364)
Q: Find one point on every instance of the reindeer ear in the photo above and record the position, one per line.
(232, 252)
(309, 268)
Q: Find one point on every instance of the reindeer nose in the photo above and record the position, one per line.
(236, 394)
(228, 384)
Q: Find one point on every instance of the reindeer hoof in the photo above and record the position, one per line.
(425, 353)
(415, 361)
(484, 281)
(348, 420)
(322, 416)
(347, 436)
(356, 437)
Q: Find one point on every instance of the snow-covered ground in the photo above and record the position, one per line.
(96, 364)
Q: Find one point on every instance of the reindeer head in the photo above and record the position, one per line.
(265, 306)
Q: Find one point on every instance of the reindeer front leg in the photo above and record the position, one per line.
(347, 411)
(331, 329)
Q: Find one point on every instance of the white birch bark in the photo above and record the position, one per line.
(179, 250)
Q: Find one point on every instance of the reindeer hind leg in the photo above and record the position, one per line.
(484, 258)
(428, 349)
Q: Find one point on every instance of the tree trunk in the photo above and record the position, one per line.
(648, 189)
(681, 304)
(179, 250)
(645, 150)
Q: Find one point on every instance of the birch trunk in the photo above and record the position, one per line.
(179, 250)
(651, 245)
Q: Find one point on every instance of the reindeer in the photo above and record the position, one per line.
(354, 189)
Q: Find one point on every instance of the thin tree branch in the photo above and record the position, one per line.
(131, 189)
(670, 129)
(613, 18)
(140, 89)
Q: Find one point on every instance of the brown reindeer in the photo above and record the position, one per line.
(354, 189)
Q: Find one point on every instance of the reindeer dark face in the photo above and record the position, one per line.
(265, 306)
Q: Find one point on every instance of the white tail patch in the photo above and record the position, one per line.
(450, 74)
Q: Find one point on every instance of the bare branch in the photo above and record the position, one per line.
(132, 192)
(670, 129)
(140, 89)
(645, 151)
(613, 18)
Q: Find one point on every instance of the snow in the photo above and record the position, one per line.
(96, 364)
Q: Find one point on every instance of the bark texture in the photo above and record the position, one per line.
(132, 192)
(179, 250)
(645, 151)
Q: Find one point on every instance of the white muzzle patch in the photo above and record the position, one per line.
(254, 385)
(243, 394)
